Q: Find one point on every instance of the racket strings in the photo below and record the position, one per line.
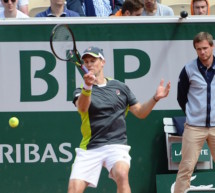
(62, 33)
(63, 46)
(62, 41)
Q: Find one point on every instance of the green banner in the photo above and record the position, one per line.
(200, 180)
(200, 191)
(35, 87)
(205, 154)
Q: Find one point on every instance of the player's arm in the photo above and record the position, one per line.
(142, 110)
(84, 100)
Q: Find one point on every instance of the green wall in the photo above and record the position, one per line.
(146, 138)
(49, 129)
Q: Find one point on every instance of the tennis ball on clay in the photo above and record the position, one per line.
(13, 122)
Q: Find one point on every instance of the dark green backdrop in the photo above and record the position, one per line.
(146, 137)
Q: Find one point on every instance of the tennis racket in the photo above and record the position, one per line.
(63, 46)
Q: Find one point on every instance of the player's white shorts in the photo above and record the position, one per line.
(88, 164)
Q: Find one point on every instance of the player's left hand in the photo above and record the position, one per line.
(162, 91)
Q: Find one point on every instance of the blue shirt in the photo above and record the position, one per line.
(66, 13)
(196, 91)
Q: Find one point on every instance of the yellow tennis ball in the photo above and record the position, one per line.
(13, 122)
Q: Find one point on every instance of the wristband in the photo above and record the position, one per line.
(86, 87)
(155, 99)
(86, 92)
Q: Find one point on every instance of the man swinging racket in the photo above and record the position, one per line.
(102, 104)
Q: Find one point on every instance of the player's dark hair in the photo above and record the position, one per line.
(132, 5)
(203, 36)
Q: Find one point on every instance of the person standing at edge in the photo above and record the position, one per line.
(196, 91)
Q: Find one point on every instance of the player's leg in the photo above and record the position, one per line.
(119, 173)
(192, 142)
(77, 186)
(86, 170)
(117, 162)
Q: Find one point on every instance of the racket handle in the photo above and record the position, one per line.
(84, 69)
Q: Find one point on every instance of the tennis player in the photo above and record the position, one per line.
(103, 104)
